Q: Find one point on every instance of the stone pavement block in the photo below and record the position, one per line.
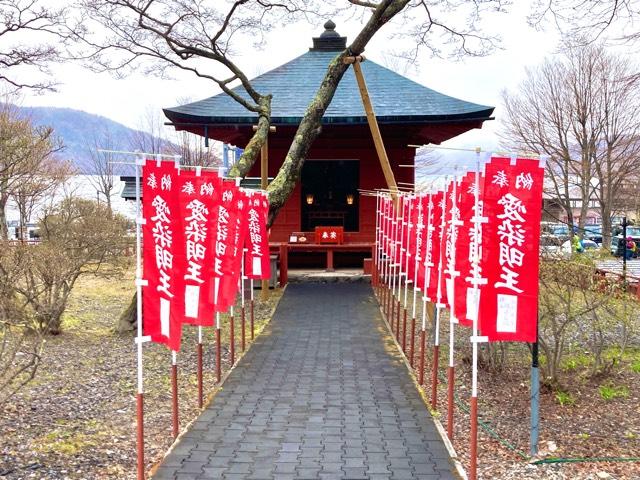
(239, 468)
(307, 473)
(191, 467)
(285, 467)
(165, 473)
(212, 472)
(402, 475)
(355, 473)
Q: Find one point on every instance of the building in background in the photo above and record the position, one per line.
(343, 158)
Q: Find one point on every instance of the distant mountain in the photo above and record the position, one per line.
(80, 130)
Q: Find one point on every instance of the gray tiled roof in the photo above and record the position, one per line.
(395, 98)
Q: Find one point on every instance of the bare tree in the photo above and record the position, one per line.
(102, 168)
(37, 186)
(150, 137)
(190, 147)
(24, 150)
(617, 153)
(588, 19)
(191, 150)
(579, 110)
(20, 22)
(199, 38)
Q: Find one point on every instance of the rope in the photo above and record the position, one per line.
(492, 433)
(586, 460)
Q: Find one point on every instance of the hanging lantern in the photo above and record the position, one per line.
(309, 198)
(350, 199)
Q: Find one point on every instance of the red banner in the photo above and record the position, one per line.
(421, 219)
(238, 231)
(416, 239)
(405, 202)
(512, 203)
(223, 250)
(257, 263)
(464, 246)
(388, 224)
(199, 197)
(435, 232)
(163, 253)
(449, 267)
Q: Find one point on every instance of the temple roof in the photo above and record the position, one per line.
(395, 99)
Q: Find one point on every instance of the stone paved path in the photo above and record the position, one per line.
(322, 394)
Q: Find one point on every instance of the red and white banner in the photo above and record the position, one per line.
(465, 247)
(198, 197)
(435, 231)
(416, 242)
(512, 204)
(257, 264)
(452, 219)
(238, 228)
(163, 254)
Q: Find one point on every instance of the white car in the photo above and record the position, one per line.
(567, 247)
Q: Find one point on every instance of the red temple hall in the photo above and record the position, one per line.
(343, 159)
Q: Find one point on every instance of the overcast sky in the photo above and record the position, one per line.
(479, 80)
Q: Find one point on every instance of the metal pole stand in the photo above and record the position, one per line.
(174, 394)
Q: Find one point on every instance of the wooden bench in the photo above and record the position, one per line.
(284, 248)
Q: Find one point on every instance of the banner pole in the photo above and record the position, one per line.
(451, 270)
(401, 199)
(406, 275)
(140, 394)
(218, 349)
(427, 278)
(376, 260)
(394, 251)
(415, 285)
(199, 374)
(242, 310)
(232, 336)
(174, 393)
(251, 303)
(439, 305)
(473, 450)
(387, 255)
(535, 397)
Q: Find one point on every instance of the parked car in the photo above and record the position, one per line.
(593, 232)
(618, 242)
(559, 230)
(567, 247)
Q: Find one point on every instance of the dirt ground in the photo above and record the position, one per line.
(586, 428)
(76, 420)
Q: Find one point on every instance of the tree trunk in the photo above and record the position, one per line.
(311, 124)
(250, 154)
(128, 320)
(4, 231)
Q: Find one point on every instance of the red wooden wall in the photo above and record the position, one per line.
(334, 147)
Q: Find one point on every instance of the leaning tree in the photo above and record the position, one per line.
(203, 38)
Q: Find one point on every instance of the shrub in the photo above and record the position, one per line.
(565, 398)
(610, 392)
(79, 237)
